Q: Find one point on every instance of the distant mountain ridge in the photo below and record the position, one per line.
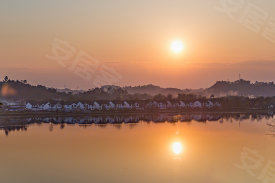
(152, 90)
(22, 91)
(241, 88)
(145, 89)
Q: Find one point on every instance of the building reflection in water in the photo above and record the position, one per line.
(8, 124)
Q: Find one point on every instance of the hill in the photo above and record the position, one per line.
(153, 90)
(16, 91)
(241, 88)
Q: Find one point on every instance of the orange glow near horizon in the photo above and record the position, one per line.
(165, 45)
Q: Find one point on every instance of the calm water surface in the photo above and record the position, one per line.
(220, 151)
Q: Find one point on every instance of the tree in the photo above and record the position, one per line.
(170, 97)
(186, 97)
(24, 81)
(6, 78)
(160, 97)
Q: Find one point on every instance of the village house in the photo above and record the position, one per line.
(74, 106)
(116, 105)
(29, 106)
(196, 104)
(57, 107)
(97, 106)
(162, 106)
(46, 107)
(176, 105)
(209, 104)
(127, 105)
(182, 104)
(80, 106)
(106, 106)
(169, 105)
(134, 105)
(119, 106)
(68, 108)
(112, 105)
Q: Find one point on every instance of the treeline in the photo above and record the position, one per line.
(15, 90)
(20, 90)
(238, 102)
(242, 88)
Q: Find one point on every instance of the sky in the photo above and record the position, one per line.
(87, 43)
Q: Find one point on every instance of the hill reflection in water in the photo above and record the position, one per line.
(9, 124)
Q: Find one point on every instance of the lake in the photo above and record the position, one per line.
(184, 148)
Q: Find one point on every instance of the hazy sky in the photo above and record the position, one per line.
(132, 39)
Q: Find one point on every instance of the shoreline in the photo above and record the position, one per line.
(125, 113)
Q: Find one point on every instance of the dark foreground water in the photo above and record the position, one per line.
(130, 149)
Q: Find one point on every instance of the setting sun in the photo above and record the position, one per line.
(177, 46)
(177, 148)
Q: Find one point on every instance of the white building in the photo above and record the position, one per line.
(68, 108)
(119, 106)
(209, 104)
(162, 105)
(182, 104)
(112, 105)
(80, 106)
(169, 105)
(196, 104)
(136, 105)
(127, 105)
(57, 107)
(97, 106)
(46, 107)
(29, 106)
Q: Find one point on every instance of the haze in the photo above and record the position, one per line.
(134, 38)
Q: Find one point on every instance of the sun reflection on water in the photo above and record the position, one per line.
(177, 148)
